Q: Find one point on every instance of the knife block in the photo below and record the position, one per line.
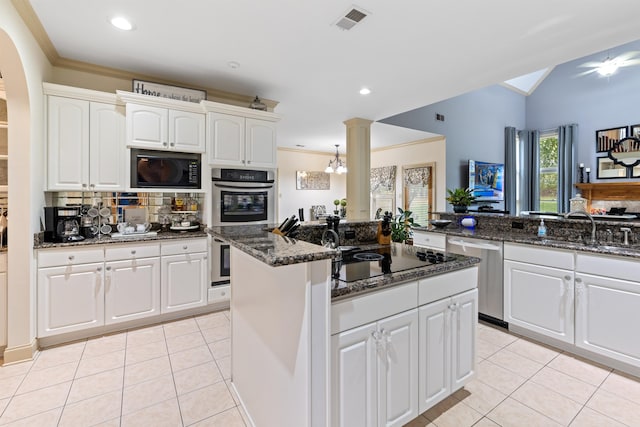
(382, 239)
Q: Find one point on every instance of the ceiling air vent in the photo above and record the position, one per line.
(351, 18)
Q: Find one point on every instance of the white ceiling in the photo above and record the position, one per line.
(410, 53)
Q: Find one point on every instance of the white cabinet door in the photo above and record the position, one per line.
(434, 379)
(463, 338)
(353, 365)
(186, 131)
(70, 298)
(226, 139)
(607, 317)
(261, 143)
(147, 127)
(539, 299)
(67, 144)
(183, 281)
(107, 147)
(132, 289)
(398, 369)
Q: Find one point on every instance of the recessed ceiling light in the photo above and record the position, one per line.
(300, 145)
(121, 23)
(365, 91)
(233, 65)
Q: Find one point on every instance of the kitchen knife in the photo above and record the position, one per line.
(288, 224)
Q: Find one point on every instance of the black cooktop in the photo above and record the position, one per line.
(367, 263)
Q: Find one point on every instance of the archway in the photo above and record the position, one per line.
(21, 293)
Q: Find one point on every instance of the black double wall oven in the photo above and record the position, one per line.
(240, 197)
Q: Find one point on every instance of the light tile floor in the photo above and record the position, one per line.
(523, 383)
(177, 374)
(171, 374)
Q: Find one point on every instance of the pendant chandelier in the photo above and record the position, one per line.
(336, 165)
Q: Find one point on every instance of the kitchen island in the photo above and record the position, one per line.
(290, 319)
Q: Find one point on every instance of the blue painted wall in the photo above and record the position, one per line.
(474, 127)
(592, 101)
(474, 122)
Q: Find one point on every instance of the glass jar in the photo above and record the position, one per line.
(578, 203)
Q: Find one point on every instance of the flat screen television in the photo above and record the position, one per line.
(486, 181)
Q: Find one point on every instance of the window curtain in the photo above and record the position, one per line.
(529, 170)
(510, 170)
(566, 136)
(383, 178)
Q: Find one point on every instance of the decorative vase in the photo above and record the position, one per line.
(459, 208)
(343, 212)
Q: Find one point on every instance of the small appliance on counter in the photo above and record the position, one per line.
(62, 224)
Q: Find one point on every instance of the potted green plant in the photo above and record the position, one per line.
(337, 203)
(460, 198)
(402, 225)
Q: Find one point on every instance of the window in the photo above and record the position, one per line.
(418, 192)
(548, 196)
(383, 190)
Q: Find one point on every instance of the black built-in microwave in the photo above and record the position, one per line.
(165, 169)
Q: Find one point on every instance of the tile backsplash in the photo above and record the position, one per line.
(118, 202)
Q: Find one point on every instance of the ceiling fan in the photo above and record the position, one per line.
(610, 65)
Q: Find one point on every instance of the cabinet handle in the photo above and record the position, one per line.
(92, 186)
(84, 185)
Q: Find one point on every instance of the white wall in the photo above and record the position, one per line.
(290, 199)
(418, 152)
(24, 67)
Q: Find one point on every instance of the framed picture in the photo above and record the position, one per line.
(635, 172)
(605, 138)
(634, 130)
(307, 180)
(607, 169)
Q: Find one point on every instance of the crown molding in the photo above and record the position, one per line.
(303, 151)
(28, 15)
(408, 144)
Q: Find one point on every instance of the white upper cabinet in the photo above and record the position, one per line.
(240, 137)
(85, 140)
(165, 129)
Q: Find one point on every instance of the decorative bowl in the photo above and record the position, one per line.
(440, 223)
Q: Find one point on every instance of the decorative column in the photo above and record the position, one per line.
(359, 168)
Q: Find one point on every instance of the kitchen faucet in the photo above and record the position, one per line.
(593, 223)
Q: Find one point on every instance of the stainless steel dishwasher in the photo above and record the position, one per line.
(490, 273)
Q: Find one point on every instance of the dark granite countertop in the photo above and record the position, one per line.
(272, 249)
(515, 237)
(107, 240)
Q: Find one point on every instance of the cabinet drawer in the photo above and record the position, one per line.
(608, 266)
(376, 305)
(430, 240)
(184, 246)
(131, 252)
(50, 258)
(219, 294)
(445, 285)
(557, 258)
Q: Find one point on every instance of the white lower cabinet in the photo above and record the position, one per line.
(539, 298)
(70, 298)
(375, 371)
(132, 289)
(447, 330)
(183, 275)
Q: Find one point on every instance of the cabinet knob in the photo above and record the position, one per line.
(223, 293)
(71, 257)
(99, 269)
(567, 278)
(184, 247)
(84, 185)
(92, 186)
(248, 162)
(164, 144)
(243, 162)
(108, 268)
(172, 144)
(133, 252)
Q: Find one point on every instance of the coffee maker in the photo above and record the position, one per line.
(62, 224)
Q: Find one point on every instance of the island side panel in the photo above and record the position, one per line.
(271, 337)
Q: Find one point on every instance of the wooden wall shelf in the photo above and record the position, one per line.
(610, 191)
